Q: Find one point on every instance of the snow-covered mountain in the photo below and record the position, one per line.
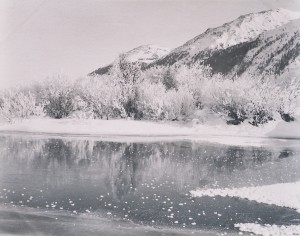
(273, 51)
(143, 54)
(236, 36)
(257, 43)
(146, 53)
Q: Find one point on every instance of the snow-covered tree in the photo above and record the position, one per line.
(102, 96)
(18, 104)
(194, 79)
(258, 100)
(128, 76)
(151, 100)
(58, 95)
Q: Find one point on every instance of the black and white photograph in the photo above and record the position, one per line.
(149, 117)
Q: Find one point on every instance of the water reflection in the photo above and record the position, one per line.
(147, 182)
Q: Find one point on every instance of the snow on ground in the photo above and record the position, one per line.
(269, 230)
(219, 132)
(283, 194)
(97, 127)
(285, 130)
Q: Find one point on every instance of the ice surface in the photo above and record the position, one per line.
(283, 194)
(27, 221)
(269, 230)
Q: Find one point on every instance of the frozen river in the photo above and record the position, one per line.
(80, 186)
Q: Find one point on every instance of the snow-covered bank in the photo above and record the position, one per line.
(269, 230)
(283, 195)
(244, 134)
(97, 127)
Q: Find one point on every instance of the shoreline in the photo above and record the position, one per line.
(151, 131)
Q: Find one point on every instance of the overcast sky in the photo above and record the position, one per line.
(39, 38)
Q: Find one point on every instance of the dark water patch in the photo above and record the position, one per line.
(147, 183)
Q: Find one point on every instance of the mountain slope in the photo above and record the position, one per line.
(144, 54)
(244, 29)
(273, 51)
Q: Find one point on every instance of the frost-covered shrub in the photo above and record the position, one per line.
(18, 104)
(83, 110)
(262, 103)
(178, 104)
(224, 98)
(160, 93)
(194, 78)
(151, 100)
(174, 92)
(101, 96)
(125, 71)
(258, 100)
(287, 97)
(270, 96)
(156, 102)
(168, 79)
(58, 95)
(127, 75)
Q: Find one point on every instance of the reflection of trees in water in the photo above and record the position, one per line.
(235, 158)
(20, 151)
(54, 153)
(123, 167)
(126, 169)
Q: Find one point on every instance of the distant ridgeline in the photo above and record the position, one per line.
(143, 55)
(257, 43)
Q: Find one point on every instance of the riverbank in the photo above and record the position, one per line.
(218, 132)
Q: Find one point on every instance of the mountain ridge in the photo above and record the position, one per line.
(143, 54)
(243, 29)
(271, 52)
(227, 48)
